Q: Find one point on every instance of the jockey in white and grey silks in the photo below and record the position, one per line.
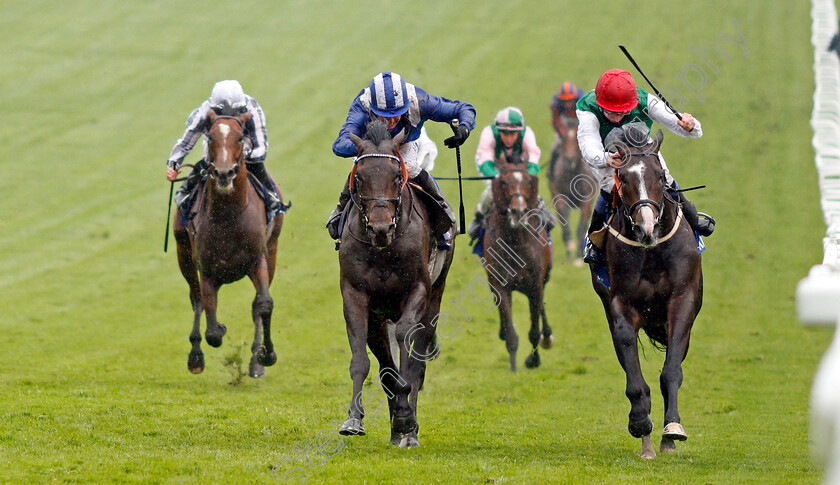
(614, 103)
(403, 106)
(227, 98)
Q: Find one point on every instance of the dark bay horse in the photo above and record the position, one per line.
(386, 255)
(656, 285)
(226, 240)
(565, 169)
(516, 259)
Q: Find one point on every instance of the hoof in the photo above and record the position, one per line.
(409, 442)
(215, 339)
(395, 438)
(404, 425)
(640, 428)
(667, 446)
(352, 427)
(195, 362)
(674, 431)
(547, 343)
(256, 370)
(532, 361)
(647, 448)
(266, 358)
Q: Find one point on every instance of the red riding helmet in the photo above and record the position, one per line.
(616, 91)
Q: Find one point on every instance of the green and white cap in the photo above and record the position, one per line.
(509, 119)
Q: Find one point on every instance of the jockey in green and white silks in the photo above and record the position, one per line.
(614, 103)
(509, 138)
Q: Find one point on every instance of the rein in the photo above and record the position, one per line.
(378, 198)
(629, 211)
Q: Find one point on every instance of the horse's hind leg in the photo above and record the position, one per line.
(262, 350)
(681, 317)
(195, 361)
(624, 325)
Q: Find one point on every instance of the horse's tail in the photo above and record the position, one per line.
(658, 335)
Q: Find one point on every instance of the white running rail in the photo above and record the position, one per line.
(818, 294)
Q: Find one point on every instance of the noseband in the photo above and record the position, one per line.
(358, 199)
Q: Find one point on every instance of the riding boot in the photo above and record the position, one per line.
(335, 216)
(186, 189)
(705, 225)
(442, 225)
(272, 199)
(591, 253)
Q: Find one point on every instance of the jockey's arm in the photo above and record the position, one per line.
(485, 153)
(659, 113)
(259, 134)
(357, 117)
(195, 128)
(589, 140)
(444, 110)
(529, 146)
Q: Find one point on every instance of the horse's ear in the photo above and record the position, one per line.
(657, 142)
(211, 115)
(244, 117)
(398, 140)
(356, 141)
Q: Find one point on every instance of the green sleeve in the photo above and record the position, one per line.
(533, 168)
(488, 169)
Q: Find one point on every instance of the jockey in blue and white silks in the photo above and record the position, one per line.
(227, 98)
(403, 106)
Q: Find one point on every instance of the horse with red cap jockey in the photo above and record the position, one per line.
(617, 101)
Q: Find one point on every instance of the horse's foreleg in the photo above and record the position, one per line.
(195, 361)
(507, 331)
(380, 344)
(413, 336)
(681, 313)
(356, 308)
(215, 330)
(535, 304)
(625, 324)
(262, 349)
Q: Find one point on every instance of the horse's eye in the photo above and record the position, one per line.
(622, 178)
(209, 139)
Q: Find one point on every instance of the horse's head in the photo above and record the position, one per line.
(225, 151)
(641, 187)
(377, 180)
(515, 192)
(571, 149)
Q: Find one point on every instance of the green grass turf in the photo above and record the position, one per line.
(95, 317)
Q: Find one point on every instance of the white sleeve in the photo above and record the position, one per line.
(659, 113)
(529, 146)
(589, 139)
(486, 147)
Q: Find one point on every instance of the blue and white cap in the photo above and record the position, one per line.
(388, 95)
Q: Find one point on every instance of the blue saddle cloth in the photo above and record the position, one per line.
(601, 270)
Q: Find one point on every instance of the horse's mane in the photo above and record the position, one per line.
(631, 135)
(377, 131)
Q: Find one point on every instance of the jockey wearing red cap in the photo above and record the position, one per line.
(615, 102)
